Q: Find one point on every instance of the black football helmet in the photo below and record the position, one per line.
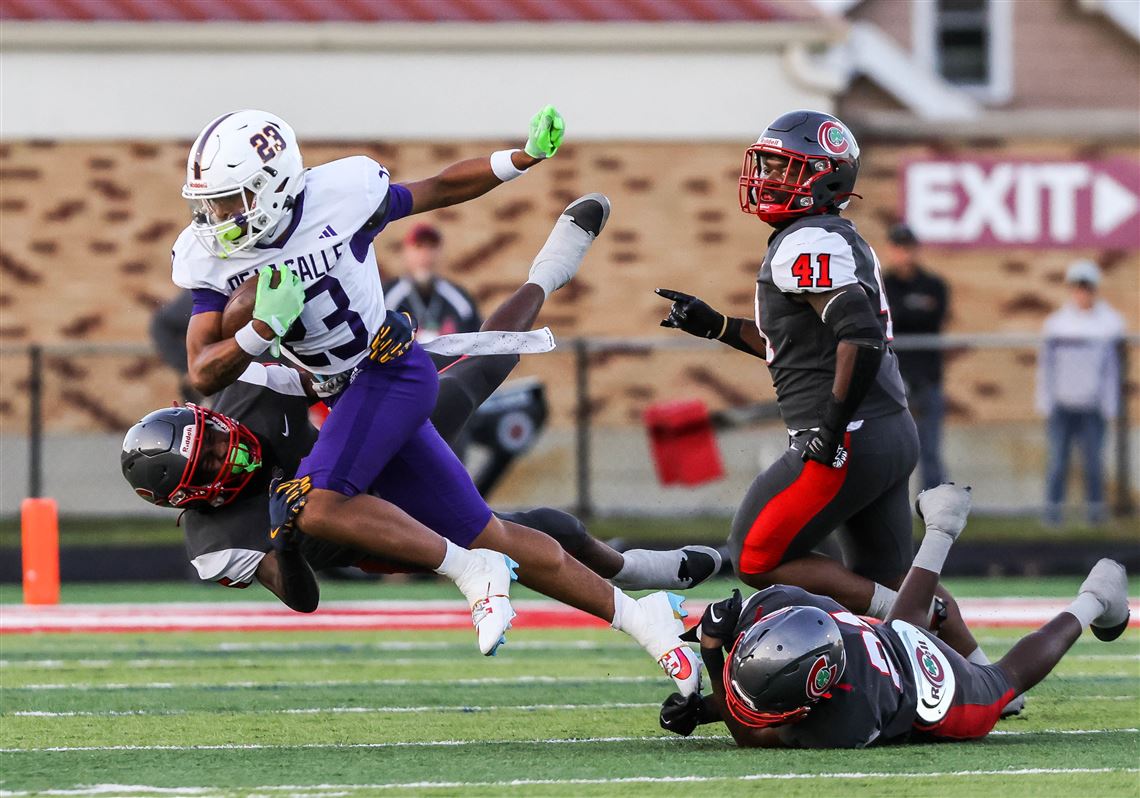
(782, 665)
(804, 163)
(188, 456)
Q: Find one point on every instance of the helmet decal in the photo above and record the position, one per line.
(820, 677)
(769, 141)
(931, 667)
(833, 138)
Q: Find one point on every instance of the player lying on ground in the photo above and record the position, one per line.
(804, 672)
(235, 551)
(823, 326)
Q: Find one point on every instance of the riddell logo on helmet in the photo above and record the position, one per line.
(833, 138)
(820, 677)
(771, 142)
(187, 444)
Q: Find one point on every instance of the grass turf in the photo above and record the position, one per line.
(560, 713)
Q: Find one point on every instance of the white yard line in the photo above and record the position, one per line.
(312, 789)
(343, 683)
(460, 743)
(333, 710)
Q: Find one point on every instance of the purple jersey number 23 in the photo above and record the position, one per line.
(342, 314)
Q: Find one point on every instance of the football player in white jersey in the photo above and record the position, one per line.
(307, 237)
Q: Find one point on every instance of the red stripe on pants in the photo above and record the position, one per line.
(788, 512)
(971, 721)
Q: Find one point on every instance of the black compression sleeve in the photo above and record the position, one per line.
(850, 316)
(731, 336)
(302, 593)
(465, 385)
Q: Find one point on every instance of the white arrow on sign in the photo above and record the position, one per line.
(1112, 204)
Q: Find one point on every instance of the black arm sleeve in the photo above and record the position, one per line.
(853, 321)
(302, 593)
(463, 386)
(732, 337)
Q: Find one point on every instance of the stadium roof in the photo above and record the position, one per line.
(487, 11)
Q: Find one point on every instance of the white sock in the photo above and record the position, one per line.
(882, 600)
(978, 657)
(455, 560)
(623, 607)
(558, 260)
(643, 569)
(932, 553)
(1086, 607)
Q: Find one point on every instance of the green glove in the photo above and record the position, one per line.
(278, 305)
(546, 131)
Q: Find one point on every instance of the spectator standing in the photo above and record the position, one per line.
(439, 306)
(919, 303)
(1078, 387)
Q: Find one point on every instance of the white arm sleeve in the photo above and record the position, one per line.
(277, 378)
(231, 567)
(811, 260)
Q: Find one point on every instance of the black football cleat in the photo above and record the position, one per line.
(1108, 581)
(698, 563)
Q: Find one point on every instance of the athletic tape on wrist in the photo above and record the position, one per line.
(250, 341)
(503, 167)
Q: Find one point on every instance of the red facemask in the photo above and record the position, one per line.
(776, 196)
(221, 485)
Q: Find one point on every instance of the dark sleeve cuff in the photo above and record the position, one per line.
(207, 300)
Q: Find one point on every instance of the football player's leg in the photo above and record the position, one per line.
(635, 569)
(654, 621)
(574, 231)
(980, 693)
(463, 387)
(1101, 604)
(788, 510)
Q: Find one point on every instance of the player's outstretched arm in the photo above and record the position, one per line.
(696, 317)
(474, 177)
(288, 576)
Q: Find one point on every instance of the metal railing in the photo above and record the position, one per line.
(582, 348)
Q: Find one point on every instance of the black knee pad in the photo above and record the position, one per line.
(570, 533)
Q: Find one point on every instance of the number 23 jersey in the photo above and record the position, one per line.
(327, 242)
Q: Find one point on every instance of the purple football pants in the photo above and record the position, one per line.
(377, 439)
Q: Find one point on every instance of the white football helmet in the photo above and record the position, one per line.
(242, 176)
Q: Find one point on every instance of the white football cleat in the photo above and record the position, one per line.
(1108, 581)
(486, 584)
(574, 231)
(944, 508)
(661, 626)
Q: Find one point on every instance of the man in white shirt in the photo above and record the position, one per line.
(1078, 387)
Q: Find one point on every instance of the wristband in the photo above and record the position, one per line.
(251, 341)
(503, 167)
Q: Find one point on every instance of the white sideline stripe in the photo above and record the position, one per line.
(310, 789)
(158, 663)
(355, 614)
(346, 683)
(333, 710)
(459, 743)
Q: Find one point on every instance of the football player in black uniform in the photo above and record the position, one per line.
(823, 325)
(804, 672)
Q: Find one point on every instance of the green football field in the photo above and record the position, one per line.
(558, 712)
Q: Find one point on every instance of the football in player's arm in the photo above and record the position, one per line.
(801, 671)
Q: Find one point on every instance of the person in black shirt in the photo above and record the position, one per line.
(439, 306)
(919, 303)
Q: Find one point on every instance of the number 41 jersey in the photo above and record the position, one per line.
(327, 242)
(818, 254)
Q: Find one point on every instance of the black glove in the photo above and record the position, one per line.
(825, 445)
(286, 500)
(681, 714)
(721, 617)
(692, 315)
(394, 339)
